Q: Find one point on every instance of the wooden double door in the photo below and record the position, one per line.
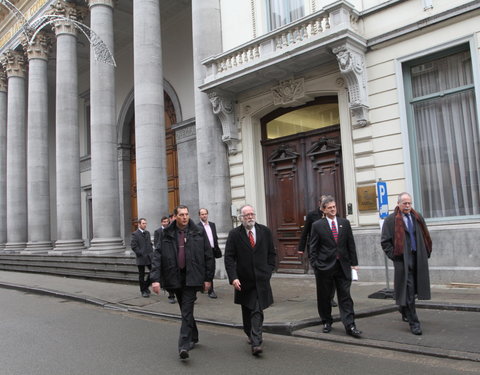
(299, 169)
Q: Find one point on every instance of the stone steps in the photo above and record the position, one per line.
(111, 268)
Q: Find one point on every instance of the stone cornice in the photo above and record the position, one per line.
(14, 64)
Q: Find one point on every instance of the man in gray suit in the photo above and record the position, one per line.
(141, 244)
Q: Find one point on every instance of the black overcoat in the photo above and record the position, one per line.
(141, 244)
(199, 261)
(253, 267)
(400, 263)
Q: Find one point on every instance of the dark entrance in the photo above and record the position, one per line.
(299, 168)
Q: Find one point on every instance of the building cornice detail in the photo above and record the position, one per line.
(223, 107)
(14, 64)
(351, 62)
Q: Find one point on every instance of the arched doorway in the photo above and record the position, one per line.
(302, 161)
(172, 164)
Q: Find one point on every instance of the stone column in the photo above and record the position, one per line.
(3, 158)
(213, 173)
(69, 217)
(104, 159)
(38, 186)
(16, 222)
(152, 188)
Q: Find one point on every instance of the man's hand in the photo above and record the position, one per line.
(156, 287)
(236, 284)
(355, 268)
(206, 286)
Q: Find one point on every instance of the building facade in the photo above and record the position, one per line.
(115, 110)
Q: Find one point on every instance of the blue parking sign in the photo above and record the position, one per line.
(382, 199)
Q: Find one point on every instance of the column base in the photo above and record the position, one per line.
(104, 246)
(37, 247)
(14, 247)
(67, 247)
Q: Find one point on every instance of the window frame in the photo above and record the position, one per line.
(406, 102)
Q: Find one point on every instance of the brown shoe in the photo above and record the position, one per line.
(256, 350)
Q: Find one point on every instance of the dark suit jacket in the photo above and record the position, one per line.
(156, 236)
(142, 247)
(253, 267)
(324, 250)
(213, 227)
(312, 217)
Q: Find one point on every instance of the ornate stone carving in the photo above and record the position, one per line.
(351, 62)
(39, 47)
(223, 107)
(67, 10)
(14, 64)
(3, 80)
(288, 91)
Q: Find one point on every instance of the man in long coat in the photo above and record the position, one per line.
(250, 261)
(141, 244)
(406, 241)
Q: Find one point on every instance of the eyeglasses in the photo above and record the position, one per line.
(248, 215)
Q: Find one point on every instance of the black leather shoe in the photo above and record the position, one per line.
(145, 295)
(415, 329)
(327, 327)
(404, 318)
(212, 294)
(183, 354)
(333, 303)
(256, 350)
(354, 332)
(171, 300)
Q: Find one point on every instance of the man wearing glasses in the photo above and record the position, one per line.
(250, 261)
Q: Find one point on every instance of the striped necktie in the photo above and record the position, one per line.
(334, 231)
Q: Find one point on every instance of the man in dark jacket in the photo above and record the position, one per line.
(211, 231)
(333, 256)
(165, 222)
(406, 241)
(183, 262)
(141, 244)
(250, 261)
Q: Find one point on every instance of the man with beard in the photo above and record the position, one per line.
(250, 261)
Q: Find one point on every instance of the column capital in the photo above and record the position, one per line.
(14, 63)
(351, 61)
(3, 80)
(68, 11)
(109, 3)
(39, 48)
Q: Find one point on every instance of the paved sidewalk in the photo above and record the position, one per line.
(450, 321)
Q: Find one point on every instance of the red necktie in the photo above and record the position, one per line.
(181, 249)
(334, 231)
(250, 237)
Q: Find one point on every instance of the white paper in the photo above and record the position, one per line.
(354, 275)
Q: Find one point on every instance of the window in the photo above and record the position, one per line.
(444, 134)
(282, 12)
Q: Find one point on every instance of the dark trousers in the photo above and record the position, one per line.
(409, 310)
(144, 283)
(327, 282)
(186, 297)
(252, 323)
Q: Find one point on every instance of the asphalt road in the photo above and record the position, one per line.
(49, 336)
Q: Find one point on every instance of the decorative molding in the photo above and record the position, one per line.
(223, 107)
(288, 91)
(254, 22)
(283, 161)
(14, 64)
(3, 80)
(39, 47)
(351, 62)
(67, 12)
(109, 3)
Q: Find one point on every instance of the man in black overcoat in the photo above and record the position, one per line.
(183, 263)
(406, 241)
(164, 222)
(250, 261)
(211, 231)
(333, 256)
(141, 244)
